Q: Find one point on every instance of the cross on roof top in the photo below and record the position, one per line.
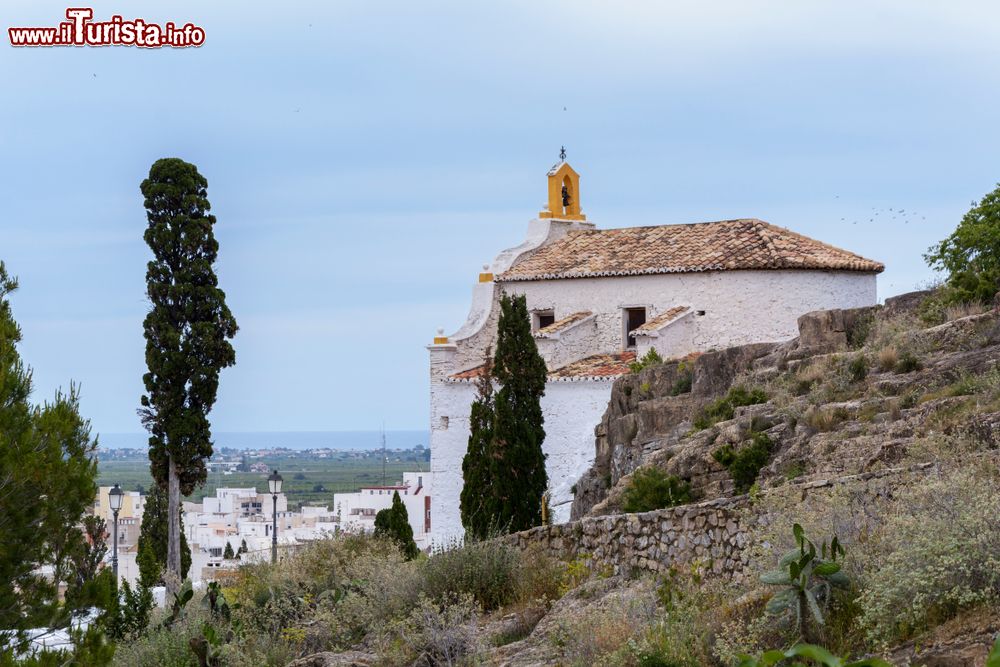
(562, 152)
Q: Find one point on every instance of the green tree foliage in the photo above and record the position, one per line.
(394, 523)
(152, 544)
(86, 561)
(187, 333)
(131, 617)
(47, 473)
(513, 499)
(228, 554)
(653, 489)
(243, 547)
(971, 254)
(806, 579)
(476, 465)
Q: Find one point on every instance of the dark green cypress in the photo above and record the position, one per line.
(152, 543)
(187, 332)
(394, 523)
(517, 464)
(476, 519)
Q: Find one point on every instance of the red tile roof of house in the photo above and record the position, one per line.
(661, 320)
(595, 366)
(598, 365)
(708, 246)
(564, 323)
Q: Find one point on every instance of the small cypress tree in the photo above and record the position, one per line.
(228, 554)
(394, 523)
(475, 466)
(517, 474)
(243, 547)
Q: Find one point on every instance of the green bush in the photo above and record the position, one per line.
(745, 464)
(652, 489)
(684, 380)
(907, 363)
(857, 368)
(651, 358)
(486, 570)
(938, 554)
(724, 408)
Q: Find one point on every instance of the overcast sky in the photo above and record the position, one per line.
(364, 159)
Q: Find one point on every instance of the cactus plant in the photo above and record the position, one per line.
(807, 580)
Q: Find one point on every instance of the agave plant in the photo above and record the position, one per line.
(807, 579)
(801, 655)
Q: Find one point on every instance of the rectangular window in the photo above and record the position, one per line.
(633, 318)
(544, 318)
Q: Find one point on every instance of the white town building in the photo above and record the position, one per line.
(600, 297)
(356, 511)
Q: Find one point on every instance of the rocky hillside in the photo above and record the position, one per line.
(853, 393)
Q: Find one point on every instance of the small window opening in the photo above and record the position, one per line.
(700, 313)
(634, 318)
(544, 318)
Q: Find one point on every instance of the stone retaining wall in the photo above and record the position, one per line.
(712, 535)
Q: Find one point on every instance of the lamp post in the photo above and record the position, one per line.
(115, 498)
(274, 485)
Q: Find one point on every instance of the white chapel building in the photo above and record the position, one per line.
(600, 297)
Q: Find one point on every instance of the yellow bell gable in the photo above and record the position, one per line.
(564, 193)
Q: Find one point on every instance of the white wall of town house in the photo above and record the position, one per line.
(571, 410)
(740, 306)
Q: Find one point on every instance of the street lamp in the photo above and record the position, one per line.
(274, 485)
(115, 498)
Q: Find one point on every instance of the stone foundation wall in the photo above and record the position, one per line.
(712, 535)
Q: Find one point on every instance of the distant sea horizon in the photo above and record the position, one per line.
(299, 440)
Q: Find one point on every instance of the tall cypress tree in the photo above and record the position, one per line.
(187, 332)
(476, 464)
(517, 463)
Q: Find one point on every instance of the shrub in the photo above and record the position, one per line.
(652, 489)
(483, 570)
(815, 655)
(825, 419)
(724, 408)
(939, 554)
(744, 464)
(684, 380)
(651, 358)
(907, 363)
(437, 633)
(857, 368)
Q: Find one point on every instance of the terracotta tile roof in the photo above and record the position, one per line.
(707, 246)
(661, 320)
(564, 323)
(470, 374)
(598, 365)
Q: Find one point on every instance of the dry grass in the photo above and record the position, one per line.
(888, 357)
(825, 419)
(958, 311)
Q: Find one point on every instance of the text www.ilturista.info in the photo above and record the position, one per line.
(80, 30)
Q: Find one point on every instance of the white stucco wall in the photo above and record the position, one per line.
(571, 411)
(740, 306)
